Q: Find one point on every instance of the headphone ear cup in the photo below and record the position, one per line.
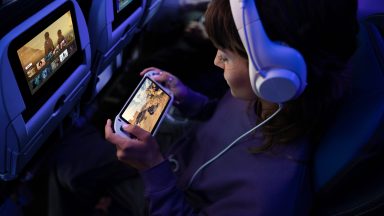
(279, 85)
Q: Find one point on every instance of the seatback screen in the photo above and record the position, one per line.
(42, 56)
(123, 9)
(122, 4)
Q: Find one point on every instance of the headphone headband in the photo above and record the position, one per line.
(277, 72)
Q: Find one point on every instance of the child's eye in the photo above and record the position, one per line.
(222, 58)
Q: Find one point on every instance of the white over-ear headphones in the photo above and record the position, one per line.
(277, 72)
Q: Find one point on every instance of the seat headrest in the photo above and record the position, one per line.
(369, 7)
(363, 110)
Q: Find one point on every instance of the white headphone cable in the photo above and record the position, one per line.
(232, 144)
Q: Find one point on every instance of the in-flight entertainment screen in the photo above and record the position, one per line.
(42, 56)
(123, 9)
(121, 4)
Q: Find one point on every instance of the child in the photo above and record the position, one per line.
(234, 164)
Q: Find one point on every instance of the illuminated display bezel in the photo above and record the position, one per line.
(127, 11)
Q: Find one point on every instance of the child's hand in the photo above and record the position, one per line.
(141, 152)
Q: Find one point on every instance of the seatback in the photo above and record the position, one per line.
(43, 74)
(347, 165)
(112, 25)
(152, 6)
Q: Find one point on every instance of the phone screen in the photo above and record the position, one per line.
(146, 106)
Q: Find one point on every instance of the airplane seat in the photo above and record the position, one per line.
(151, 8)
(112, 25)
(348, 177)
(44, 70)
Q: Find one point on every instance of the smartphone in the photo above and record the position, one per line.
(146, 107)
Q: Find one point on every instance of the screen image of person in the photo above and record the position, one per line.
(146, 107)
(122, 4)
(42, 56)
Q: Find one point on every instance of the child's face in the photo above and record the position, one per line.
(235, 73)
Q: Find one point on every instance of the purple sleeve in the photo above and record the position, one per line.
(162, 193)
(197, 106)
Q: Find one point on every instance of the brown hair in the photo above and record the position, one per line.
(324, 31)
(221, 28)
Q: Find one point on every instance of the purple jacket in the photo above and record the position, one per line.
(238, 183)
